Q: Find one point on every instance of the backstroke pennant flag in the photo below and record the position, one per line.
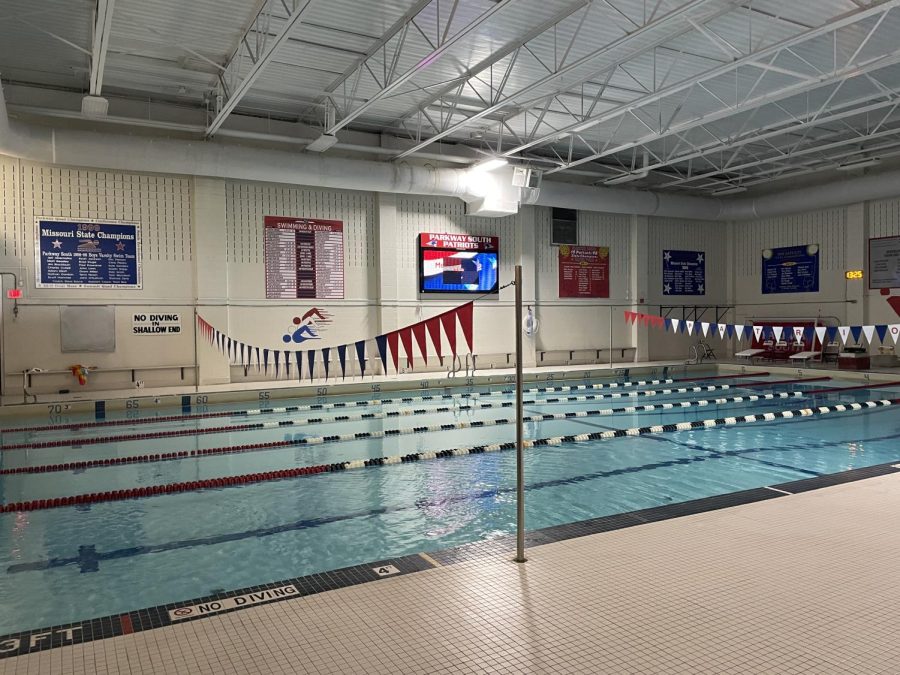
(856, 332)
(895, 331)
(287, 364)
(342, 359)
(705, 326)
(448, 319)
(381, 342)
(418, 331)
(298, 357)
(393, 343)
(266, 361)
(881, 331)
(464, 314)
(831, 333)
(798, 334)
(869, 332)
(277, 355)
(361, 355)
(434, 330)
(326, 352)
(757, 332)
(406, 338)
(779, 331)
(820, 334)
(675, 325)
(845, 333)
(690, 327)
(311, 357)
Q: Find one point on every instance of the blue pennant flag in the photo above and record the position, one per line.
(326, 351)
(243, 351)
(831, 333)
(808, 334)
(299, 358)
(257, 359)
(342, 358)
(311, 356)
(381, 341)
(219, 341)
(683, 326)
(265, 360)
(277, 355)
(668, 324)
(881, 330)
(287, 363)
(361, 355)
(856, 332)
(729, 330)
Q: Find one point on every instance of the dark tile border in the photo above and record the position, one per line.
(26, 642)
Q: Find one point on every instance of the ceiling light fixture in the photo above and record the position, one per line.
(859, 164)
(322, 143)
(491, 164)
(625, 178)
(732, 190)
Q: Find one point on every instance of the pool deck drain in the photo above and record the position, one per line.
(26, 642)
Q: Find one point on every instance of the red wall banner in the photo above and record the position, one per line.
(583, 272)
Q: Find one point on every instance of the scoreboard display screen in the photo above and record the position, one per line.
(458, 263)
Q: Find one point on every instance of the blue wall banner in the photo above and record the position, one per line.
(87, 254)
(794, 269)
(684, 273)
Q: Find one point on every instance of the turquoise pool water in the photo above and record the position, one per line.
(67, 564)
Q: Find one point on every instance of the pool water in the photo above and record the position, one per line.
(68, 564)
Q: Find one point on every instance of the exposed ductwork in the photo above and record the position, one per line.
(485, 194)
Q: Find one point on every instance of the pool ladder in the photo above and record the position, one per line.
(457, 366)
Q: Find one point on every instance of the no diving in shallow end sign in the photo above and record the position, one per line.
(245, 600)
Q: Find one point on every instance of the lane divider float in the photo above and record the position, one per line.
(258, 426)
(188, 454)
(212, 483)
(74, 426)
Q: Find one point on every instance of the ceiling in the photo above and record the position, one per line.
(692, 96)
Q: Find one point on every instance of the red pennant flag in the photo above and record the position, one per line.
(465, 322)
(419, 331)
(448, 319)
(406, 339)
(629, 316)
(392, 343)
(434, 330)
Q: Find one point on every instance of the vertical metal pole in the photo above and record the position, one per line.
(610, 337)
(196, 356)
(520, 431)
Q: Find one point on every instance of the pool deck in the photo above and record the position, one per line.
(800, 583)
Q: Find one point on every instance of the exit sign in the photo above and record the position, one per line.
(14, 293)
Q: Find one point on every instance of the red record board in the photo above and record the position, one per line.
(583, 272)
(304, 258)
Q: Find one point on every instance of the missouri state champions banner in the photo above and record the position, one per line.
(684, 272)
(583, 271)
(87, 254)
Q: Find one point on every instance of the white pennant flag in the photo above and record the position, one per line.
(820, 333)
(757, 331)
(739, 331)
(894, 330)
(675, 324)
(844, 332)
(869, 331)
(722, 328)
(779, 331)
(705, 326)
(690, 327)
(798, 333)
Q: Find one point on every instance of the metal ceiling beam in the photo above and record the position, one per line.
(392, 82)
(617, 45)
(100, 43)
(256, 47)
(496, 57)
(690, 85)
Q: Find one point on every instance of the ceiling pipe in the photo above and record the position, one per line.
(73, 147)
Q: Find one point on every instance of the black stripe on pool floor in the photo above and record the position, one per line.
(26, 642)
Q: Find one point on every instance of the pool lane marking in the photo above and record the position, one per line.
(363, 435)
(774, 489)
(209, 483)
(74, 426)
(233, 428)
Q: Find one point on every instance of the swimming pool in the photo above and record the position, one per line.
(65, 564)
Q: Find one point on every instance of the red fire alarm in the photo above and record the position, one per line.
(14, 293)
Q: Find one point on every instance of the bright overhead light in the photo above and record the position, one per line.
(859, 164)
(491, 164)
(733, 190)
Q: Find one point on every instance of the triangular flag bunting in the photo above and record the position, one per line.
(820, 334)
(668, 324)
(722, 329)
(287, 363)
(757, 333)
(381, 342)
(845, 333)
(779, 331)
(298, 358)
(729, 330)
(326, 352)
(361, 356)
(406, 339)
(894, 328)
(464, 313)
(881, 330)
(675, 325)
(311, 357)
(448, 320)
(690, 327)
(705, 326)
(418, 331)
(856, 332)
(393, 343)
(266, 361)
(434, 330)
(808, 334)
(342, 359)
(798, 334)
(831, 333)
(869, 332)
(277, 355)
